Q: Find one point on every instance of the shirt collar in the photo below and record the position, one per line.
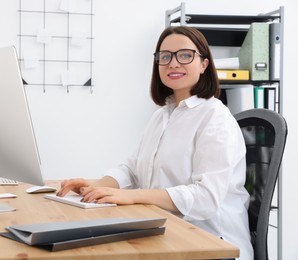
(190, 102)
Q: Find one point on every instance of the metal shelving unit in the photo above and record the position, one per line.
(230, 31)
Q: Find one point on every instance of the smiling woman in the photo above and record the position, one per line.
(182, 72)
(189, 64)
(191, 158)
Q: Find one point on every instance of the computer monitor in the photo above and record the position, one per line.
(19, 156)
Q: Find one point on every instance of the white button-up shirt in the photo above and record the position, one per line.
(196, 152)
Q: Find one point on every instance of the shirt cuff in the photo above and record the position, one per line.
(182, 198)
(123, 180)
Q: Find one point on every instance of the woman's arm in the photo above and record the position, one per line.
(156, 197)
(106, 190)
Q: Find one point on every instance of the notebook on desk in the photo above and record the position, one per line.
(75, 200)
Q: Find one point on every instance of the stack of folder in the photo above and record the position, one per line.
(233, 74)
(265, 97)
(228, 69)
(58, 236)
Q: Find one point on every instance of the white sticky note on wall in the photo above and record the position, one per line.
(67, 6)
(30, 61)
(44, 36)
(65, 78)
(78, 39)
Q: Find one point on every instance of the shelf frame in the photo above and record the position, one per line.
(228, 31)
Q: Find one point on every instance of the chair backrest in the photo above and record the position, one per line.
(265, 134)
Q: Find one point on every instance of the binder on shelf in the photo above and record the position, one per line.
(275, 51)
(254, 52)
(259, 97)
(240, 98)
(270, 98)
(233, 74)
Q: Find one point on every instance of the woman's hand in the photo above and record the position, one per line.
(108, 195)
(72, 185)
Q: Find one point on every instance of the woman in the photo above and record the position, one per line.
(191, 159)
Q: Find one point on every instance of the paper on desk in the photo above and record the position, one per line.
(7, 195)
(5, 208)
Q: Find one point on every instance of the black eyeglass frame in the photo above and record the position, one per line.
(156, 56)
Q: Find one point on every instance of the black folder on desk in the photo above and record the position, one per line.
(66, 235)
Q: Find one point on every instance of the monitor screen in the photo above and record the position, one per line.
(19, 157)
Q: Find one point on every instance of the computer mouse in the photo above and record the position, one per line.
(40, 189)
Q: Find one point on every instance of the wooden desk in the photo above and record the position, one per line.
(180, 241)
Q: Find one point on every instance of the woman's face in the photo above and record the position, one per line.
(181, 77)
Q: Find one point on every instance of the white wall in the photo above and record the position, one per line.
(82, 134)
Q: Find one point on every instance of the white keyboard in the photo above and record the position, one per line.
(6, 182)
(75, 200)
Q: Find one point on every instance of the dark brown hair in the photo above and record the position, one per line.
(208, 84)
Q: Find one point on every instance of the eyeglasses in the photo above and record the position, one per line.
(183, 56)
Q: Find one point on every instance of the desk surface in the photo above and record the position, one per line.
(180, 241)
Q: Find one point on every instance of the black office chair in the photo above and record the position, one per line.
(265, 134)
